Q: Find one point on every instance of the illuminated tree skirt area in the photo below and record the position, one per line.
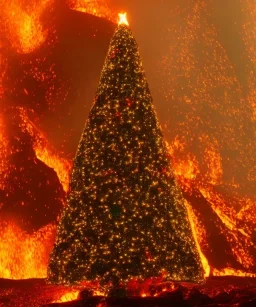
(216, 291)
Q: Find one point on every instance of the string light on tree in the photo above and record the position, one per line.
(125, 215)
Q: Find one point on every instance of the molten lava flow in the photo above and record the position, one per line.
(22, 24)
(185, 165)
(210, 156)
(61, 166)
(94, 7)
(44, 153)
(3, 155)
(2, 71)
(67, 297)
(198, 233)
(232, 272)
(24, 256)
(213, 161)
(238, 236)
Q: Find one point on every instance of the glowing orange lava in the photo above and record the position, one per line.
(3, 154)
(67, 297)
(23, 24)
(22, 255)
(198, 232)
(208, 147)
(94, 7)
(45, 153)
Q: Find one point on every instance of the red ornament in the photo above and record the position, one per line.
(148, 255)
(114, 52)
(108, 172)
(163, 170)
(129, 102)
(118, 114)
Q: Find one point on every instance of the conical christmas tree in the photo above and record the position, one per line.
(125, 216)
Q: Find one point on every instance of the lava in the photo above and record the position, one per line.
(3, 154)
(95, 7)
(24, 256)
(67, 297)
(23, 25)
(212, 161)
(198, 233)
(45, 153)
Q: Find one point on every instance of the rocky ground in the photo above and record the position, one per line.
(215, 291)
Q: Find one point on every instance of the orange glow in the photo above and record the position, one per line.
(239, 238)
(2, 72)
(22, 255)
(123, 19)
(209, 95)
(232, 272)
(197, 233)
(185, 168)
(249, 36)
(99, 293)
(67, 297)
(94, 7)
(213, 161)
(61, 166)
(44, 153)
(3, 155)
(23, 26)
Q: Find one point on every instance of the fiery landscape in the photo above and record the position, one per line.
(47, 78)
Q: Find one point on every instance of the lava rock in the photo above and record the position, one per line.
(222, 298)
(146, 302)
(91, 302)
(251, 303)
(117, 292)
(196, 298)
(174, 296)
(85, 294)
(242, 294)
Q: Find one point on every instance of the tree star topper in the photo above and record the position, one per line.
(123, 19)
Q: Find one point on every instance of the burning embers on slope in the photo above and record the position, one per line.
(34, 176)
(95, 7)
(213, 130)
(21, 22)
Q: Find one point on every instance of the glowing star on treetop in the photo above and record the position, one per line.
(123, 19)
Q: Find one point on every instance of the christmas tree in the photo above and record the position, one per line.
(125, 216)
